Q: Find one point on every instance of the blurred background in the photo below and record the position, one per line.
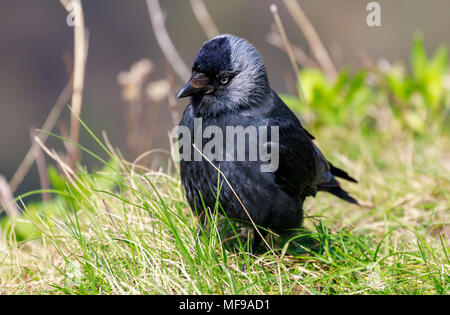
(36, 48)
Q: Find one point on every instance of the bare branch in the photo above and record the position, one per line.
(164, 41)
(302, 58)
(75, 8)
(288, 48)
(204, 18)
(132, 82)
(48, 126)
(7, 199)
(317, 47)
(65, 3)
(42, 168)
(284, 38)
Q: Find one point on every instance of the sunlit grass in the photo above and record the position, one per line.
(125, 230)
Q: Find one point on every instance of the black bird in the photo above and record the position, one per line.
(229, 86)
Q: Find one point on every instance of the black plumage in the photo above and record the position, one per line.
(229, 87)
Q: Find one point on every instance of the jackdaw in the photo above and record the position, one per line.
(229, 87)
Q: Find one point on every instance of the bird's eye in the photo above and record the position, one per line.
(224, 80)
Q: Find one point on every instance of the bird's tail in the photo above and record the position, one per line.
(341, 174)
(326, 178)
(339, 192)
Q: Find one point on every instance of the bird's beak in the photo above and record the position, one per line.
(187, 90)
(198, 83)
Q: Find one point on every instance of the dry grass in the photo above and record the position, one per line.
(128, 229)
(143, 240)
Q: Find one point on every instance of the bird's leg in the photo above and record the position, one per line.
(257, 238)
(201, 224)
(256, 242)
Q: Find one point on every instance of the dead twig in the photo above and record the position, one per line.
(7, 199)
(41, 166)
(302, 58)
(65, 3)
(284, 38)
(288, 48)
(111, 217)
(317, 47)
(75, 8)
(48, 126)
(69, 173)
(164, 41)
(132, 83)
(204, 18)
(156, 92)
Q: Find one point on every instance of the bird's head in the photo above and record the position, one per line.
(228, 73)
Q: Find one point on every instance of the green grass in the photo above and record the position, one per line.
(128, 230)
(125, 230)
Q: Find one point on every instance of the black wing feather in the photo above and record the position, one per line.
(341, 174)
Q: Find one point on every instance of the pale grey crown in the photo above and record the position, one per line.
(250, 86)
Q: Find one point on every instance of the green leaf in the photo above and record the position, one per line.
(293, 103)
(419, 56)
